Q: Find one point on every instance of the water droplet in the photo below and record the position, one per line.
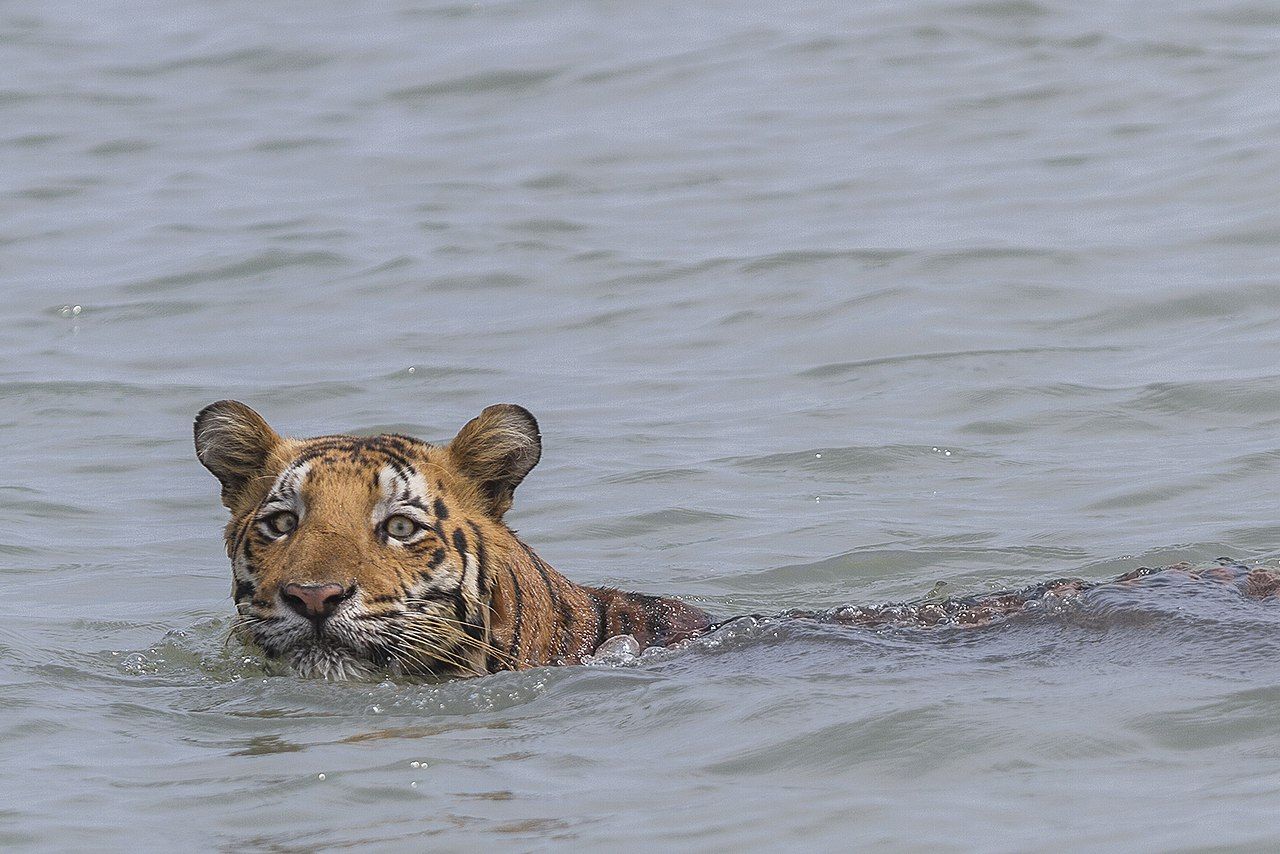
(415, 764)
(320, 776)
(618, 650)
(819, 456)
(818, 498)
(413, 784)
(413, 369)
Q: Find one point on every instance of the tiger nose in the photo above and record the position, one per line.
(314, 601)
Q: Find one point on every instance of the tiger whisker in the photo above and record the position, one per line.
(448, 655)
(464, 638)
(238, 624)
(452, 622)
(431, 644)
(479, 643)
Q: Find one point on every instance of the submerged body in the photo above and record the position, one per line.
(353, 554)
(986, 608)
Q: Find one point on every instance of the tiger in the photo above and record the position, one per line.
(353, 556)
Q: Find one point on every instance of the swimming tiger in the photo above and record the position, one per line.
(352, 555)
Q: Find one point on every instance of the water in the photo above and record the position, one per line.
(818, 304)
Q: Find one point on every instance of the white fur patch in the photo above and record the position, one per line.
(471, 580)
(398, 486)
(286, 492)
(324, 662)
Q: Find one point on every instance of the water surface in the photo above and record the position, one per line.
(816, 303)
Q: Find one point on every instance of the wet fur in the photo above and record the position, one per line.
(464, 597)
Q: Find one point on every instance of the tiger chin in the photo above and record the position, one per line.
(357, 556)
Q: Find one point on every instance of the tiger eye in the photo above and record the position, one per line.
(401, 527)
(282, 523)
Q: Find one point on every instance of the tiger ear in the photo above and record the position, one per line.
(234, 443)
(496, 449)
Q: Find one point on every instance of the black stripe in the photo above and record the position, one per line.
(410, 501)
(566, 613)
(442, 512)
(602, 617)
(400, 467)
(432, 596)
(475, 631)
(400, 463)
(241, 533)
(459, 603)
(519, 615)
(243, 589)
(397, 444)
(482, 558)
(315, 452)
(624, 623)
(483, 583)
(460, 607)
(395, 453)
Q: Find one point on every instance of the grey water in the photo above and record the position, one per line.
(817, 303)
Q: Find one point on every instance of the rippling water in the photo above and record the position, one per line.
(816, 303)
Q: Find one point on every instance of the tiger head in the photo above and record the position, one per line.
(351, 554)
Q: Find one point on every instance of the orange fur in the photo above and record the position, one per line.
(461, 596)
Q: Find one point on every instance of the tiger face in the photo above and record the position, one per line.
(351, 555)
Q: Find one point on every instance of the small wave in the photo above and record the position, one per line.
(510, 81)
(254, 265)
